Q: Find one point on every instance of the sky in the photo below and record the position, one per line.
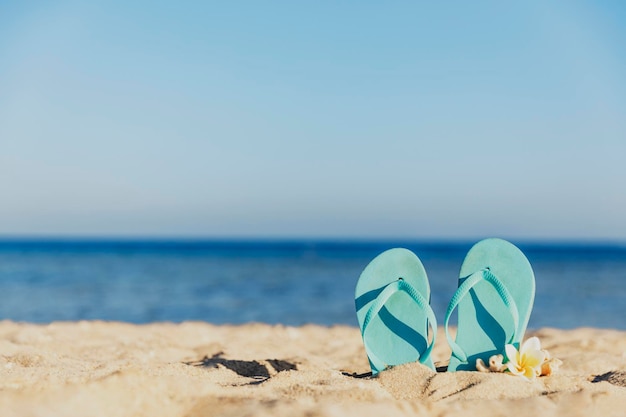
(329, 119)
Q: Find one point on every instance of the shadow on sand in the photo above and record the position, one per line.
(260, 370)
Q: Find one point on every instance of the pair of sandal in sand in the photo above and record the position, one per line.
(494, 299)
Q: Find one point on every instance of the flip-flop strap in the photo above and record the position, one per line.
(464, 289)
(379, 303)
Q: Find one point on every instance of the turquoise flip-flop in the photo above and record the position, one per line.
(494, 299)
(392, 306)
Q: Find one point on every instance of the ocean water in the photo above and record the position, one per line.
(287, 282)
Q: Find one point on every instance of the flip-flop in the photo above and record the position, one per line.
(392, 306)
(495, 297)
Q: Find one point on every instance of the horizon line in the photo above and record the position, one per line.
(276, 239)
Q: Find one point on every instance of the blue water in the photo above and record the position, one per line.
(288, 282)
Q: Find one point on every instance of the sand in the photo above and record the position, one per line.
(199, 369)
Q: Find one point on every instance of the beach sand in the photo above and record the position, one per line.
(199, 369)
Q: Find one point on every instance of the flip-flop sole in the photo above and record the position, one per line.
(399, 332)
(484, 322)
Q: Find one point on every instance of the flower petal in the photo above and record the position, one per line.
(514, 370)
(530, 344)
(511, 353)
(534, 358)
(530, 373)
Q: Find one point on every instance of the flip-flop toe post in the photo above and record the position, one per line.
(494, 300)
(392, 304)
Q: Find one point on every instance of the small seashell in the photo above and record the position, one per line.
(480, 366)
(495, 363)
(550, 366)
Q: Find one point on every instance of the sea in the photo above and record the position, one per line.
(289, 282)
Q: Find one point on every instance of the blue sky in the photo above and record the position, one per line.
(327, 119)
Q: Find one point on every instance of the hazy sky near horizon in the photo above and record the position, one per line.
(322, 119)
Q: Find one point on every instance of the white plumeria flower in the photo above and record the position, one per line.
(527, 362)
